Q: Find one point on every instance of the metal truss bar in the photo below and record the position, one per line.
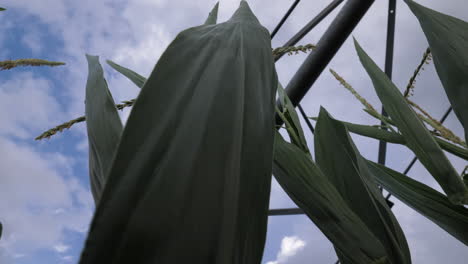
(306, 119)
(307, 28)
(388, 69)
(336, 34)
(286, 211)
(285, 17)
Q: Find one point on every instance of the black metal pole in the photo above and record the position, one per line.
(280, 24)
(287, 211)
(331, 41)
(388, 68)
(307, 28)
(306, 119)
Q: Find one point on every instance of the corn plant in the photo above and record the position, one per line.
(187, 180)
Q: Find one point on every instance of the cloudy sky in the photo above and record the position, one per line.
(45, 200)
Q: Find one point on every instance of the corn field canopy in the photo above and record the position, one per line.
(188, 178)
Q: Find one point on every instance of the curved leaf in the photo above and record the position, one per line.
(103, 125)
(192, 173)
(427, 201)
(289, 116)
(417, 137)
(136, 78)
(313, 192)
(341, 162)
(448, 41)
(391, 137)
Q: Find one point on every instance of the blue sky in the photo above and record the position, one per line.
(45, 202)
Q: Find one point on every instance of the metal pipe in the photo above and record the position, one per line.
(287, 211)
(280, 24)
(306, 119)
(307, 28)
(331, 41)
(388, 69)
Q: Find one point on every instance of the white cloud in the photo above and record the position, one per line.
(290, 245)
(26, 106)
(35, 185)
(67, 258)
(61, 248)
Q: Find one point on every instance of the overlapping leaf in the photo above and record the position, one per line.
(392, 137)
(103, 125)
(313, 192)
(190, 182)
(427, 201)
(448, 41)
(136, 78)
(417, 137)
(341, 162)
(291, 119)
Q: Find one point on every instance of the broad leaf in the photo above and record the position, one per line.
(2, 9)
(416, 135)
(341, 162)
(427, 201)
(103, 125)
(448, 41)
(136, 78)
(313, 192)
(190, 182)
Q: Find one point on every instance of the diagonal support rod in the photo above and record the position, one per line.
(285, 17)
(331, 41)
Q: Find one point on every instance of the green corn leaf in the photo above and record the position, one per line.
(417, 137)
(452, 148)
(136, 78)
(190, 182)
(392, 137)
(427, 201)
(289, 115)
(2, 9)
(313, 192)
(448, 41)
(213, 16)
(103, 125)
(341, 162)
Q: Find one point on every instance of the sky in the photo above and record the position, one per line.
(45, 199)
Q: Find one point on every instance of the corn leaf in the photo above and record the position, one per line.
(213, 16)
(1, 226)
(2, 9)
(448, 41)
(416, 135)
(313, 192)
(136, 78)
(190, 182)
(340, 161)
(392, 137)
(103, 125)
(288, 114)
(427, 201)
